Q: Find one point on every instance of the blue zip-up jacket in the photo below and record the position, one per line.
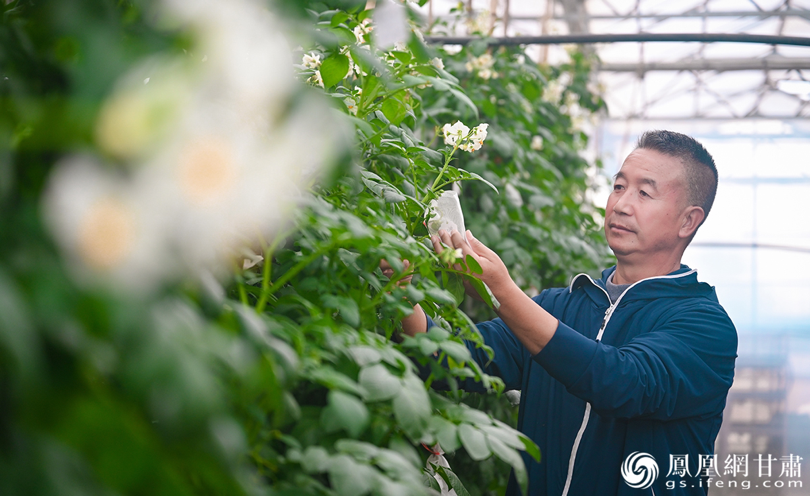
(648, 374)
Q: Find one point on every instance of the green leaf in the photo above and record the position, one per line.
(446, 433)
(458, 94)
(346, 306)
(415, 295)
(334, 69)
(360, 450)
(379, 383)
(441, 296)
(397, 161)
(362, 125)
(456, 351)
(420, 51)
(333, 379)
(484, 292)
(455, 285)
(472, 416)
(393, 109)
(344, 411)
(513, 458)
(433, 157)
(474, 441)
(508, 436)
(338, 18)
(344, 35)
(404, 57)
(349, 477)
(437, 334)
(473, 265)
(452, 480)
(315, 459)
(364, 355)
(391, 195)
(531, 448)
(477, 177)
(426, 346)
(412, 407)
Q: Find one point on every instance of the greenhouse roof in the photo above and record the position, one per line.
(668, 80)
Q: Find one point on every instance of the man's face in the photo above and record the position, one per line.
(643, 214)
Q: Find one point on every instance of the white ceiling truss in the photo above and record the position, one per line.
(670, 80)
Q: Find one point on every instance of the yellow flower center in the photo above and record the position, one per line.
(207, 170)
(107, 233)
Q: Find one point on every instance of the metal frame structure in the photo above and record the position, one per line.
(698, 73)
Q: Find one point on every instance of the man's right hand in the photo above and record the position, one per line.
(439, 246)
(417, 321)
(388, 271)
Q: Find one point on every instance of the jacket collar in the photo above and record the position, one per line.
(681, 283)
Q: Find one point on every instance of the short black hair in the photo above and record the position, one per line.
(699, 168)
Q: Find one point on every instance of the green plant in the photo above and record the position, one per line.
(291, 376)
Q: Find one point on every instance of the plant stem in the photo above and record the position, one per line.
(441, 172)
(293, 272)
(268, 270)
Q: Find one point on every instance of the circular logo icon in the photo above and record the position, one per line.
(639, 470)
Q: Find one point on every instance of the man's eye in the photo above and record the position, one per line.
(617, 187)
(644, 193)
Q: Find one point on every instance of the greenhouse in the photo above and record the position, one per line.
(404, 247)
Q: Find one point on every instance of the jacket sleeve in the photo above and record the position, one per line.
(682, 368)
(507, 361)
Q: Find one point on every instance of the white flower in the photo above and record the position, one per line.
(351, 105)
(553, 92)
(316, 79)
(137, 117)
(476, 140)
(105, 232)
(355, 68)
(400, 46)
(452, 49)
(571, 99)
(483, 65)
(312, 60)
(537, 143)
(249, 59)
(482, 23)
(453, 134)
(437, 63)
(361, 30)
(577, 123)
(249, 258)
(214, 164)
(459, 133)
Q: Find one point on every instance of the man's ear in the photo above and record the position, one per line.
(692, 219)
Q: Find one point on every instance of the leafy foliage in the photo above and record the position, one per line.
(293, 375)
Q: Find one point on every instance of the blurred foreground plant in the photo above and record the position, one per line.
(187, 155)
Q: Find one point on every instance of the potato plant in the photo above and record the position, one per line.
(279, 369)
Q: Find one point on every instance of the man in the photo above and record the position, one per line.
(639, 361)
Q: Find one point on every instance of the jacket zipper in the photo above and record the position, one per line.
(605, 320)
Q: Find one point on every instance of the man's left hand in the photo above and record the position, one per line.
(495, 274)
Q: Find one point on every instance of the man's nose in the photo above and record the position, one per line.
(623, 205)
